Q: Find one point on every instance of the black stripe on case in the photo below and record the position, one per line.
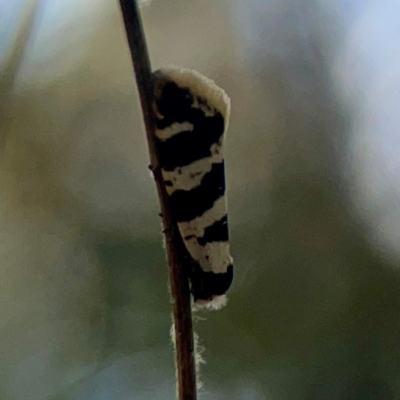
(175, 104)
(188, 205)
(188, 146)
(206, 285)
(217, 232)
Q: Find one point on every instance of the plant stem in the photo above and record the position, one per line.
(184, 346)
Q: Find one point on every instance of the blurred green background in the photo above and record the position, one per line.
(312, 168)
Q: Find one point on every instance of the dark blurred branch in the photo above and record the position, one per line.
(10, 67)
(184, 347)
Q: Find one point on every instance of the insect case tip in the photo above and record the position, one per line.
(215, 304)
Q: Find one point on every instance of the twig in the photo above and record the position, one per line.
(184, 346)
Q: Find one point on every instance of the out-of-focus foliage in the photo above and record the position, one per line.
(312, 177)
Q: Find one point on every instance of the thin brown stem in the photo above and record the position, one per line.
(184, 346)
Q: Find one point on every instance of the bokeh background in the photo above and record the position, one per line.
(313, 165)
